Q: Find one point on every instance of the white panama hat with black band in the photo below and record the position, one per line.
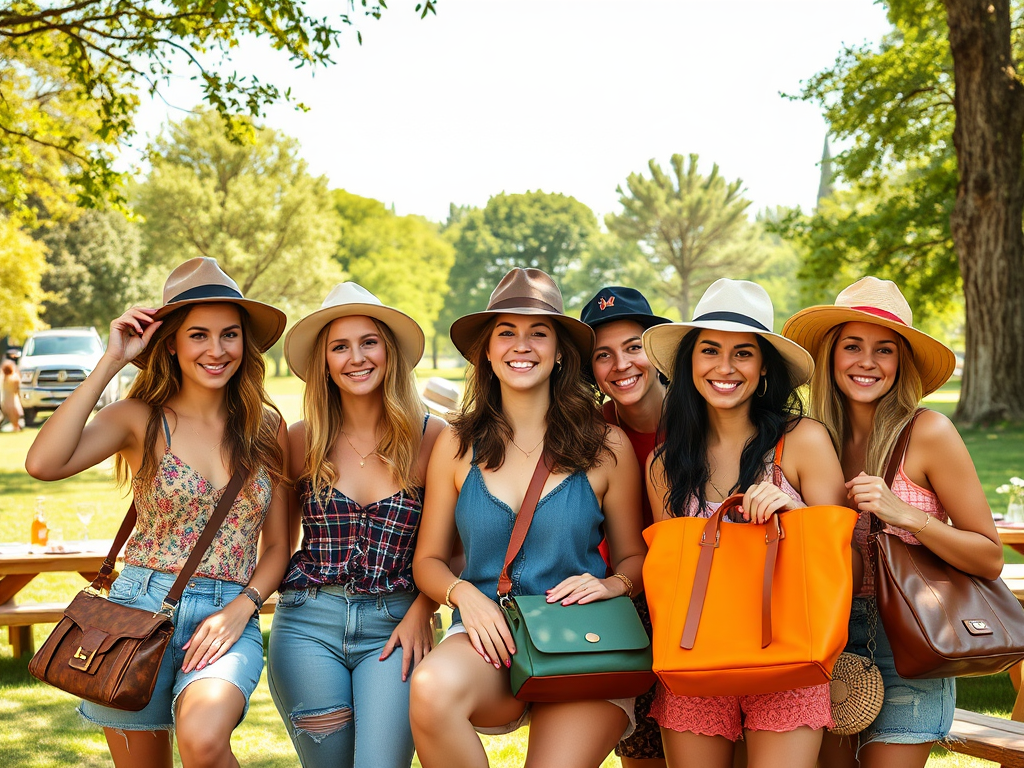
(735, 306)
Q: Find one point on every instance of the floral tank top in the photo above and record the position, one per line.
(173, 509)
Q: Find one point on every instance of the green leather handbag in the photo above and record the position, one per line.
(599, 650)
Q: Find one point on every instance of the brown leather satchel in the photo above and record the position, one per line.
(108, 653)
(940, 621)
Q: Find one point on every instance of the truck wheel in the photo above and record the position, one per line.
(30, 417)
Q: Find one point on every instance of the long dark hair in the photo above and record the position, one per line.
(576, 434)
(684, 453)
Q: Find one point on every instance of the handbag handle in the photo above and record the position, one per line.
(709, 542)
(523, 519)
(220, 512)
(899, 452)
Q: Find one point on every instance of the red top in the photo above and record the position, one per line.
(643, 444)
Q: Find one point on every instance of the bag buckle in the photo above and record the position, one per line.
(704, 542)
(166, 610)
(504, 600)
(81, 660)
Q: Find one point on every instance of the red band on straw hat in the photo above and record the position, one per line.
(880, 313)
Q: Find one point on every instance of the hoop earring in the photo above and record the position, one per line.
(764, 380)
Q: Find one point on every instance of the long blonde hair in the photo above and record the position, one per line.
(893, 411)
(250, 432)
(402, 421)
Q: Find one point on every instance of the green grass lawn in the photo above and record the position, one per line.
(41, 728)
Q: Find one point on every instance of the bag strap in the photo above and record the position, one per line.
(777, 462)
(899, 452)
(220, 512)
(523, 519)
(709, 542)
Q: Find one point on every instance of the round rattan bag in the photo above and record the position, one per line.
(857, 692)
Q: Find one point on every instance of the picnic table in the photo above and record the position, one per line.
(19, 565)
(1012, 536)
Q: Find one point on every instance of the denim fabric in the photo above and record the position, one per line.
(914, 711)
(562, 541)
(241, 666)
(324, 657)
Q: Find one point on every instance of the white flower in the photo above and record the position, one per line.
(1004, 488)
(1017, 482)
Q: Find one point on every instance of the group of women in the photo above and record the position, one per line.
(369, 513)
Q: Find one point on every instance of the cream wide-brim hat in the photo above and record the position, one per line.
(440, 395)
(737, 306)
(347, 300)
(202, 281)
(523, 292)
(871, 300)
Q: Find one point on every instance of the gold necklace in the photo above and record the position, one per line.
(717, 489)
(362, 458)
(527, 453)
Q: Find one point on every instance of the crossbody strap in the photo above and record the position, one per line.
(523, 519)
(198, 551)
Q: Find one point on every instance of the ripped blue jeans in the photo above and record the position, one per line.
(913, 711)
(342, 706)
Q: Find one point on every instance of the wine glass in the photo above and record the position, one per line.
(84, 513)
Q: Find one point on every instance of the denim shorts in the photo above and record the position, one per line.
(241, 666)
(913, 711)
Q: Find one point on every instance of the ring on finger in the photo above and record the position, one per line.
(215, 643)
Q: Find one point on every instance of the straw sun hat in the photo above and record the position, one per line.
(522, 292)
(202, 281)
(870, 300)
(346, 300)
(738, 306)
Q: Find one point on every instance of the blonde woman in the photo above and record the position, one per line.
(195, 414)
(350, 625)
(873, 368)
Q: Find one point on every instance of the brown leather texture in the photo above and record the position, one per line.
(105, 653)
(607, 685)
(523, 520)
(940, 621)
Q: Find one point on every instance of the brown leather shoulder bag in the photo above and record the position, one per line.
(940, 621)
(109, 653)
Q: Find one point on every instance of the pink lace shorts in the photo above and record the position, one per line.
(729, 716)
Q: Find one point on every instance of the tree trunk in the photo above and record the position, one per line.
(986, 222)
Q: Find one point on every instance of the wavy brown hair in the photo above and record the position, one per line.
(576, 434)
(894, 409)
(250, 433)
(402, 423)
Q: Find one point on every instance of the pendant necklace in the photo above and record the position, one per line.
(362, 458)
(525, 452)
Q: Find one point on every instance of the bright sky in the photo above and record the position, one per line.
(565, 96)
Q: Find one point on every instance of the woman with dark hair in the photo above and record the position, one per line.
(350, 625)
(731, 407)
(636, 392)
(873, 368)
(195, 414)
(526, 398)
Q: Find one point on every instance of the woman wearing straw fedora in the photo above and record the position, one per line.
(873, 368)
(350, 625)
(636, 392)
(731, 399)
(195, 415)
(526, 398)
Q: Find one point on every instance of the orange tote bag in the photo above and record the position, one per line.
(739, 608)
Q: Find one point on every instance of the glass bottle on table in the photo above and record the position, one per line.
(40, 531)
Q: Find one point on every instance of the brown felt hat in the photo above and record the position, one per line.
(202, 281)
(870, 300)
(523, 292)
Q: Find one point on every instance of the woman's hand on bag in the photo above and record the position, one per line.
(763, 500)
(585, 589)
(131, 333)
(216, 634)
(485, 624)
(871, 494)
(414, 635)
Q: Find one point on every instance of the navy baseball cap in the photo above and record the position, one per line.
(618, 303)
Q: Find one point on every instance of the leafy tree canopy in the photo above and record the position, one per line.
(252, 206)
(99, 54)
(22, 262)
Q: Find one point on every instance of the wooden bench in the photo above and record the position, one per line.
(19, 618)
(987, 737)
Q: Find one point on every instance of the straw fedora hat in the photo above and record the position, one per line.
(870, 300)
(739, 306)
(523, 292)
(202, 281)
(346, 300)
(440, 395)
